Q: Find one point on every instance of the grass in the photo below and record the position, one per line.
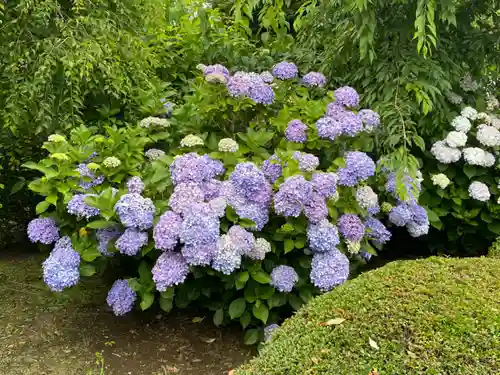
(435, 316)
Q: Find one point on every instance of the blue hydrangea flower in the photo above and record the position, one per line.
(283, 278)
(314, 79)
(262, 94)
(167, 230)
(239, 84)
(131, 241)
(376, 231)
(285, 70)
(87, 175)
(292, 195)
(416, 230)
(346, 96)
(307, 162)
(200, 225)
(170, 269)
(241, 239)
(78, 207)
(191, 167)
(272, 168)
(135, 211)
(296, 131)
(335, 110)
(323, 236)
(135, 185)
(43, 230)
(199, 255)
(351, 227)
(227, 257)
(359, 167)
(211, 189)
(121, 298)
(184, 195)
(316, 209)
(325, 184)
(329, 269)
(418, 214)
(370, 119)
(218, 206)
(351, 123)
(216, 69)
(104, 237)
(400, 215)
(269, 331)
(329, 128)
(62, 268)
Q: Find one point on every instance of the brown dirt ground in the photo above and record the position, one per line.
(45, 333)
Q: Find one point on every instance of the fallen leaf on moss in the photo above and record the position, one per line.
(373, 344)
(332, 322)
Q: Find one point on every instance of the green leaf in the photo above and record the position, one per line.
(494, 227)
(90, 254)
(237, 308)
(231, 214)
(100, 224)
(42, 207)
(306, 295)
(289, 245)
(276, 300)
(295, 302)
(87, 270)
(145, 274)
(166, 304)
(261, 312)
(147, 300)
(246, 223)
(219, 317)
(470, 171)
(17, 186)
(245, 319)
(251, 336)
(260, 276)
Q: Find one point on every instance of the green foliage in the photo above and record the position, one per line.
(408, 317)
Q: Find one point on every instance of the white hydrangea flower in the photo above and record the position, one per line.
(498, 200)
(445, 154)
(488, 135)
(440, 180)
(149, 122)
(261, 248)
(419, 177)
(111, 162)
(484, 117)
(495, 122)
(469, 113)
(191, 140)
(353, 247)
(454, 98)
(154, 154)
(461, 124)
(492, 103)
(456, 139)
(478, 156)
(216, 78)
(468, 84)
(228, 145)
(479, 191)
(416, 230)
(366, 197)
(56, 138)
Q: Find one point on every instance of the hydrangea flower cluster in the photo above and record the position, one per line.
(283, 278)
(191, 140)
(62, 268)
(131, 241)
(367, 200)
(104, 237)
(135, 211)
(441, 179)
(314, 79)
(296, 131)
(121, 297)
(359, 167)
(307, 162)
(43, 230)
(154, 154)
(411, 215)
(285, 70)
(479, 191)
(228, 145)
(154, 122)
(78, 207)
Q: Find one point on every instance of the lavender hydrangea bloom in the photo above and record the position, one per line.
(43, 230)
(121, 298)
(184, 195)
(351, 227)
(329, 128)
(261, 248)
(283, 278)
(135, 211)
(370, 118)
(216, 69)
(272, 168)
(86, 174)
(316, 209)
(335, 110)
(323, 236)
(218, 206)
(199, 255)
(416, 230)
(227, 257)
(62, 268)
(211, 189)
(418, 214)
(269, 331)
(200, 225)
(135, 185)
(170, 269)
(325, 184)
(293, 194)
(351, 123)
(104, 237)
(377, 232)
(400, 215)
(296, 131)
(262, 94)
(239, 84)
(242, 240)
(78, 207)
(359, 167)
(285, 70)
(346, 96)
(307, 162)
(131, 241)
(267, 77)
(329, 269)
(191, 167)
(312, 79)
(167, 230)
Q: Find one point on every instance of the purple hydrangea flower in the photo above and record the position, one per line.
(418, 214)
(370, 118)
(167, 230)
(346, 96)
(272, 168)
(329, 269)
(200, 225)
(325, 184)
(416, 230)
(293, 194)
(316, 209)
(185, 195)
(269, 331)
(267, 77)
(218, 206)
(261, 248)
(400, 215)
(121, 297)
(365, 255)
(135, 211)
(351, 123)
(211, 189)
(285, 70)
(323, 236)
(199, 255)
(359, 167)
(374, 210)
(329, 128)
(104, 237)
(312, 79)
(170, 269)
(335, 110)
(62, 268)
(78, 207)
(191, 167)
(283, 278)
(227, 256)
(135, 185)
(351, 227)
(131, 241)
(296, 131)
(239, 84)
(376, 231)
(216, 69)
(262, 94)
(243, 241)
(307, 162)
(43, 230)
(87, 174)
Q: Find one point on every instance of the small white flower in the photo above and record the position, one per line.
(488, 135)
(366, 197)
(454, 98)
(469, 112)
(478, 156)
(228, 145)
(495, 122)
(419, 176)
(150, 122)
(479, 191)
(484, 117)
(445, 154)
(154, 154)
(111, 162)
(201, 67)
(191, 140)
(267, 77)
(461, 124)
(468, 84)
(440, 180)
(417, 230)
(492, 103)
(456, 139)
(56, 138)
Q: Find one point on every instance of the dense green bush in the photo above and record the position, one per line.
(433, 316)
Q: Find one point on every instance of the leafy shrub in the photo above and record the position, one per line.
(433, 316)
(247, 228)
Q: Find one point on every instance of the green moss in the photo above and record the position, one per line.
(434, 316)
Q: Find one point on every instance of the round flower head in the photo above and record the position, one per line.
(492, 103)
(461, 124)
(296, 131)
(135, 211)
(292, 195)
(194, 168)
(243, 241)
(152, 122)
(484, 118)
(200, 225)
(351, 227)
(314, 79)
(135, 185)
(323, 236)
(495, 122)
(89, 179)
(261, 93)
(259, 251)
(335, 110)
(307, 162)
(283, 278)
(272, 168)
(488, 135)
(215, 69)
(441, 179)
(469, 113)
(445, 154)
(478, 156)
(329, 128)
(131, 241)
(325, 184)
(456, 139)
(376, 231)
(316, 209)
(43, 230)
(170, 269)
(454, 98)
(418, 214)
(416, 230)
(267, 77)
(270, 331)
(251, 183)
(366, 197)
(329, 269)
(228, 145)
(121, 297)
(111, 162)
(191, 140)
(400, 215)
(285, 70)
(200, 254)
(346, 96)
(227, 257)
(351, 123)
(184, 195)
(104, 237)
(359, 167)
(479, 191)
(56, 138)
(78, 207)
(62, 268)
(240, 83)
(369, 118)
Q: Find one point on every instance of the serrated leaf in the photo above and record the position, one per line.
(237, 308)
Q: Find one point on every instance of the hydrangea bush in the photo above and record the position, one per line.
(266, 196)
